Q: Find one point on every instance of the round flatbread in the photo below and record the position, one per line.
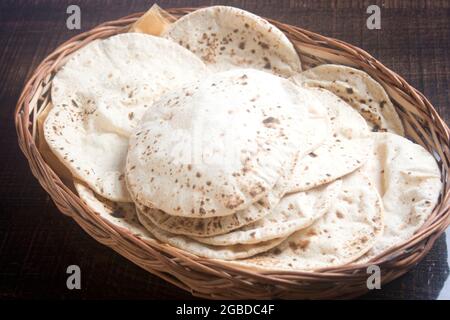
(217, 146)
(409, 181)
(99, 96)
(206, 227)
(359, 90)
(341, 236)
(122, 215)
(203, 250)
(294, 212)
(226, 38)
(345, 151)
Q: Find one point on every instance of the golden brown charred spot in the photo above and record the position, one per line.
(246, 25)
(270, 122)
(198, 175)
(257, 190)
(312, 154)
(117, 213)
(382, 103)
(303, 244)
(199, 225)
(293, 245)
(246, 169)
(260, 202)
(75, 104)
(189, 166)
(349, 90)
(233, 202)
(235, 30)
(242, 45)
(208, 183)
(311, 232)
(339, 214)
(263, 45)
(276, 251)
(202, 211)
(267, 64)
(131, 115)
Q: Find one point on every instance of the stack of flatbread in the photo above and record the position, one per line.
(207, 135)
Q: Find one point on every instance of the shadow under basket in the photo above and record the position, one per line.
(216, 279)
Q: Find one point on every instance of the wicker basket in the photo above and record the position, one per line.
(215, 279)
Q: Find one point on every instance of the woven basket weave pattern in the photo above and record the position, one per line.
(217, 279)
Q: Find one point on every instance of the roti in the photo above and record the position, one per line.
(50, 159)
(294, 212)
(226, 38)
(358, 89)
(342, 235)
(217, 146)
(99, 96)
(409, 181)
(206, 227)
(122, 215)
(345, 151)
(203, 250)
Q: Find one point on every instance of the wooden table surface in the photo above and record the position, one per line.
(37, 243)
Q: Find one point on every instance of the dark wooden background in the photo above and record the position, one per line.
(37, 243)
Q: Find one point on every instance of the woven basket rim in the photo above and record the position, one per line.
(394, 261)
